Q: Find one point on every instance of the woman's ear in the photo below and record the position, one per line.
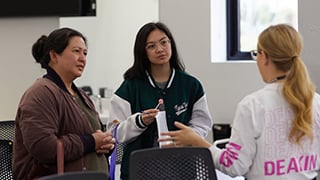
(264, 58)
(53, 56)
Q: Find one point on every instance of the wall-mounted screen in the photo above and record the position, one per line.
(61, 8)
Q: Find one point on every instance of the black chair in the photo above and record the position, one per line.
(221, 132)
(87, 90)
(6, 159)
(119, 150)
(82, 175)
(182, 163)
(7, 129)
(6, 145)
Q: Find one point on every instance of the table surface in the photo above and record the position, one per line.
(222, 176)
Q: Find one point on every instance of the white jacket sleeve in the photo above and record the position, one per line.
(201, 121)
(239, 154)
(120, 110)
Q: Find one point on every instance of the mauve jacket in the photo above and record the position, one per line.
(48, 111)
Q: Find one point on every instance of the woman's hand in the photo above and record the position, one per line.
(148, 116)
(183, 137)
(104, 141)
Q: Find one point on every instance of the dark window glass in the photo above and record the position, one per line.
(247, 18)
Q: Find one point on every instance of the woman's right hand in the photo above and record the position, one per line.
(149, 115)
(104, 141)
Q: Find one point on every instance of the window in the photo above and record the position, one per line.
(247, 18)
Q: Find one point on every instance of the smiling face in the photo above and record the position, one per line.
(158, 48)
(71, 62)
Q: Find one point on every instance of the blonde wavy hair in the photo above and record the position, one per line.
(283, 45)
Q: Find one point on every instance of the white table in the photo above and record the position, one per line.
(222, 176)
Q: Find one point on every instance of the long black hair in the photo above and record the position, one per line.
(141, 61)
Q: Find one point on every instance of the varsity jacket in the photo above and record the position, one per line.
(184, 101)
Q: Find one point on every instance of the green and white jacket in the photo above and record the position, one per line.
(184, 101)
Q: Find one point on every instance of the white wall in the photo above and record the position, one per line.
(18, 68)
(225, 83)
(111, 36)
(309, 26)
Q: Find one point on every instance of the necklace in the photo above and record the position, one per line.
(277, 78)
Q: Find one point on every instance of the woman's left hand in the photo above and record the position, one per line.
(185, 136)
(108, 143)
(182, 137)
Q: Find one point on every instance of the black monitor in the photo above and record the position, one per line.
(36, 8)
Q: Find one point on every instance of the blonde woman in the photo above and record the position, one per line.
(275, 133)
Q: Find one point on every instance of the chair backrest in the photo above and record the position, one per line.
(87, 89)
(6, 159)
(6, 145)
(7, 129)
(182, 163)
(82, 175)
(119, 150)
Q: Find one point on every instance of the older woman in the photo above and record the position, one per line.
(54, 107)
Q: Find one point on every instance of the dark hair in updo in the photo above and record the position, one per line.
(57, 41)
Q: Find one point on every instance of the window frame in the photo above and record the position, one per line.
(233, 33)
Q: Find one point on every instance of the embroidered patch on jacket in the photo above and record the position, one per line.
(181, 108)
